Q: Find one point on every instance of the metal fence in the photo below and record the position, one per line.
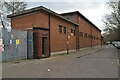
(18, 44)
(1, 45)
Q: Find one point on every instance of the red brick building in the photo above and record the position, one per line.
(53, 33)
(89, 34)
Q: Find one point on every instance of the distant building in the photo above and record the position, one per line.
(53, 32)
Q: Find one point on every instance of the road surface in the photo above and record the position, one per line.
(102, 63)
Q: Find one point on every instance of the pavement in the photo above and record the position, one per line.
(95, 62)
(82, 52)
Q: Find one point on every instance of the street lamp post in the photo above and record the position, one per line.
(67, 48)
(68, 37)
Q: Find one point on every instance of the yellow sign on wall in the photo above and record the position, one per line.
(68, 36)
(17, 41)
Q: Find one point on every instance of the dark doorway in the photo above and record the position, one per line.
(35, 42)
(44, 45)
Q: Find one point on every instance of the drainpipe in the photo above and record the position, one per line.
(91, 36)
(67, 42)
(49, 35)
(78, 33)
(97, 39)
(101, 39)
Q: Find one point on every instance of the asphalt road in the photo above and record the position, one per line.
(102, 63)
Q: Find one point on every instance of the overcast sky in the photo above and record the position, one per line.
(94, 10)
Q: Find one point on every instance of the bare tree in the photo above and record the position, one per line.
(112, 20)
(3, 11)
(14, 6)
(10, 7)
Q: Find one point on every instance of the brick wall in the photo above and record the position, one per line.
(86, 28)
(59, 40)
(36, 19)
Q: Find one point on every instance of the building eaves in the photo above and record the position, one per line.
(37, 9)
(82, 17)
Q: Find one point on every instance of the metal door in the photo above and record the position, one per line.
(44, 45)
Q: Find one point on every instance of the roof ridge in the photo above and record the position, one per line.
(36, 9)
(81, 16)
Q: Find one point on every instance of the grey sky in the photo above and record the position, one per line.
(92, 9)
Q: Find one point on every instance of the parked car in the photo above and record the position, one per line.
(114, 43)
(118, 45)
(108, 42)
